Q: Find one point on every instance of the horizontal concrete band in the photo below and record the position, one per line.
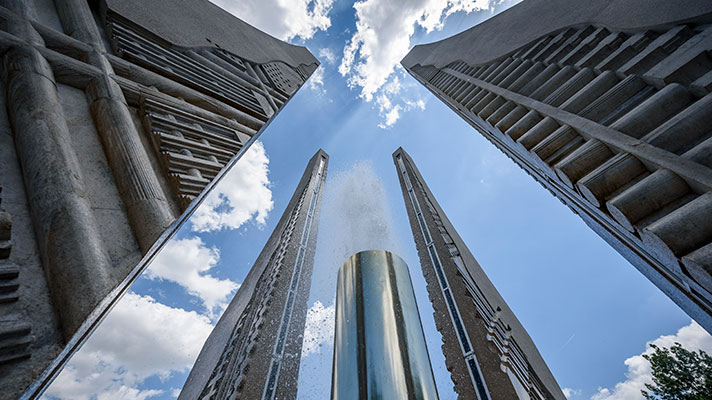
(644, 151)
(513, 29)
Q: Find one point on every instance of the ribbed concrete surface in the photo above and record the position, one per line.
(196, 23)
(614, 122)
(531, 19)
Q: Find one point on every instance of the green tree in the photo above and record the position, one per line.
(679, 374)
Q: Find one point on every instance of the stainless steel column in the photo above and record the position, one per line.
(379, 347)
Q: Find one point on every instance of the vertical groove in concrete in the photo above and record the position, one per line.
(146, 204)
(254, 350)
(487, 351)
(55, 189)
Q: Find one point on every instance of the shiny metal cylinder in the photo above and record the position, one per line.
(379, 347)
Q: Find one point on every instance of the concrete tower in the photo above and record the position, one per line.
(255, 349)
(607, 104)
(487, 351)
(115, 116)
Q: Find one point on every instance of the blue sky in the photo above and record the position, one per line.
(588, 310)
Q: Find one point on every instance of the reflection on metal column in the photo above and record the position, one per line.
(379, 347)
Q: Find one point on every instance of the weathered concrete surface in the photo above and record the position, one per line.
(242, 346)
(112, 221)
(85, 182)
(147, 206)
(448, 245)
(514, 28)
(65, 227)
(200, 23)
(34, 296)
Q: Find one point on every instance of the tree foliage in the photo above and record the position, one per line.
(679, 374)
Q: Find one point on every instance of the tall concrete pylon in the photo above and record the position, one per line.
(255, 349)
(488, 352)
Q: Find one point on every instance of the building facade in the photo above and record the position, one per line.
(255, 349)
(116, 116)
(488, 352)
(607, 104)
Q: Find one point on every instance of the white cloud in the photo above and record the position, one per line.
(571, 392)
(316, 81)
(691, 337)
(327, 55)
(187, 262)
(140, 338)
(319, 328)
(127, 393)
(382, 38)
(419, 104)
(284, 19)
(389, 111)
(243, 193)
(391, 117)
